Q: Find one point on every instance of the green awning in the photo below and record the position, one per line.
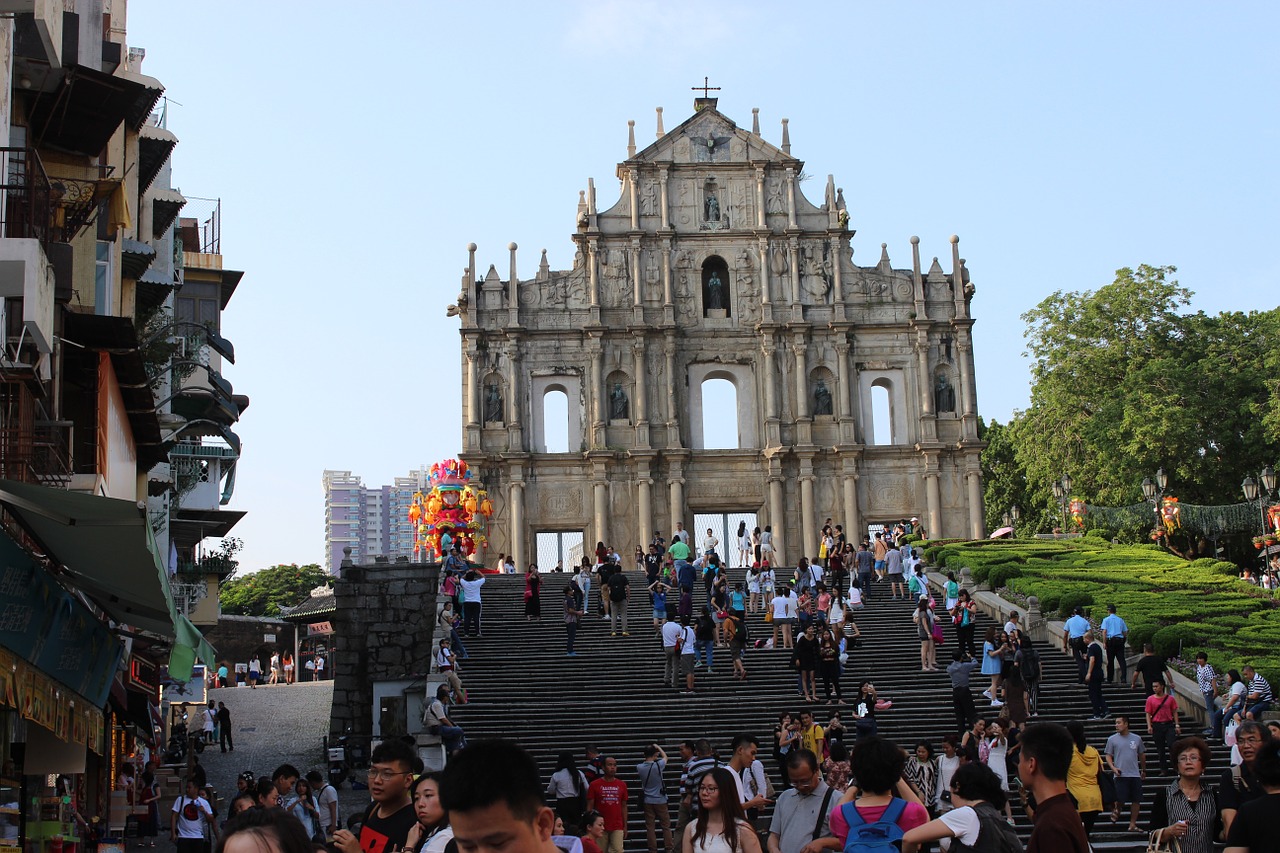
(106, 549)
(190, 646)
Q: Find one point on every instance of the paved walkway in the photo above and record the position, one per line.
(271, 726)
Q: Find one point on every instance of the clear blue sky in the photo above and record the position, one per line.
(358, 148)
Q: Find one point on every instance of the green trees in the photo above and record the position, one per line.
(1122, 384)
(264, 593)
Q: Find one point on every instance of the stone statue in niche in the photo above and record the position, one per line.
(776, 202)
(492, 403)
(813, 285)
(712, 208)
(648, 199)
(944, 395)
(619, 406)
(821, 399)
(715, 292)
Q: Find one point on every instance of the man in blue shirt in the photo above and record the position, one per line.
(1073, 640)
(1115, 631)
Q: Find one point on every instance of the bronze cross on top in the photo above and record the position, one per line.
(704, 88)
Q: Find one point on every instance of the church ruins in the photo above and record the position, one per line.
(853, 387)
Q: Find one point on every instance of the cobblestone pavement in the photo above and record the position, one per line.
(271, 726)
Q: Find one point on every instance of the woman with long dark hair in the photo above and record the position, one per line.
(532, 591)
(568, 789)
(431, 834)
(721, 825)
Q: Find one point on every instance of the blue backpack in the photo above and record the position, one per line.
(883, 836)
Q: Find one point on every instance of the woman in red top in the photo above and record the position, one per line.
(593, 825)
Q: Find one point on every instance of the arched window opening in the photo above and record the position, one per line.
(720, 415)
(881, 414)
(555, 421)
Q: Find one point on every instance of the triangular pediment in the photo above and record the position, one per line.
(709, 136)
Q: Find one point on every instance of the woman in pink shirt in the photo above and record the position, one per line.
(877, 764)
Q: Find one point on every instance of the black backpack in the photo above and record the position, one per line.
(995, 836)
(1030, 665)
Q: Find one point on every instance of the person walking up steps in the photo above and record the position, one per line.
(619, 597)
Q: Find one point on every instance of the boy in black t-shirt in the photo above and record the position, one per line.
(390, 816)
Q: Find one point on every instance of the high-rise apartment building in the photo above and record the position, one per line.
(372, 521)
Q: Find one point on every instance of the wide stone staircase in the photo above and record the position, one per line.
(522, 686)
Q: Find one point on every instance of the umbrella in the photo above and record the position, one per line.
(1003, 531)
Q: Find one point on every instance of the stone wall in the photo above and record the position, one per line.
(238, 637)
(386, 615)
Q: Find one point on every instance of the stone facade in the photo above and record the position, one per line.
(712, 264)
(386, 614)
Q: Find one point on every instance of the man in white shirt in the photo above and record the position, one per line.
(749, 775)
(680, 533)
(327, 795)
(687, 640)
(186, 820)
(670, 641)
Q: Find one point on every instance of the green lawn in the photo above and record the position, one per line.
(1182, 607)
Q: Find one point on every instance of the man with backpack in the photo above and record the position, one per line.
(657, 815)
(878, 819)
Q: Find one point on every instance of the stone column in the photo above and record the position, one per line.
(794, 251)
(926, 379)
(673, 420)
(778, 521)
(770, 369)
(516, 534)
(644, 504)
(837, 283)
(964, 359)
(473, 385)
(595, 394)
(633, 192)
(514, 395)
(852, 519)
(791, 197)
(808, 512)
(635, 271)
(675, 489)
(800, 348)
(601, 513)
(593, 287)
(842, 376)
(976, 526)
(666, 267)
(760, 197)
(642, 380)
(933, 498)
(666, 210)
(764, 270)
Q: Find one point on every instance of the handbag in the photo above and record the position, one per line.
(768, 615)
(937, 633)
(1155, 845)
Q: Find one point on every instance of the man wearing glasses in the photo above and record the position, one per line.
(390, 816)
(801, 817)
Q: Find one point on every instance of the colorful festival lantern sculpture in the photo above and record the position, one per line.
(1169, 513)
(454, 507)
(1078, 511)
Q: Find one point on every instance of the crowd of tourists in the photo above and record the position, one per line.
(878, 797)
(832, 774)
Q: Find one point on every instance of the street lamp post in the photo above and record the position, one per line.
(1062, 491)
(1017, 514)
(1252, 492)
(1154, 491)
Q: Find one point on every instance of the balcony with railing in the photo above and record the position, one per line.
(32, 450)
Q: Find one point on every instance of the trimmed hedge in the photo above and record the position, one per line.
(1179, 606)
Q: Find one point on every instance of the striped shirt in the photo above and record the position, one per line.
(1207, 678)
(1260, 687)
(1198, 815)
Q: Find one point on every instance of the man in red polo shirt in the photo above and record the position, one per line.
(608, 795)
